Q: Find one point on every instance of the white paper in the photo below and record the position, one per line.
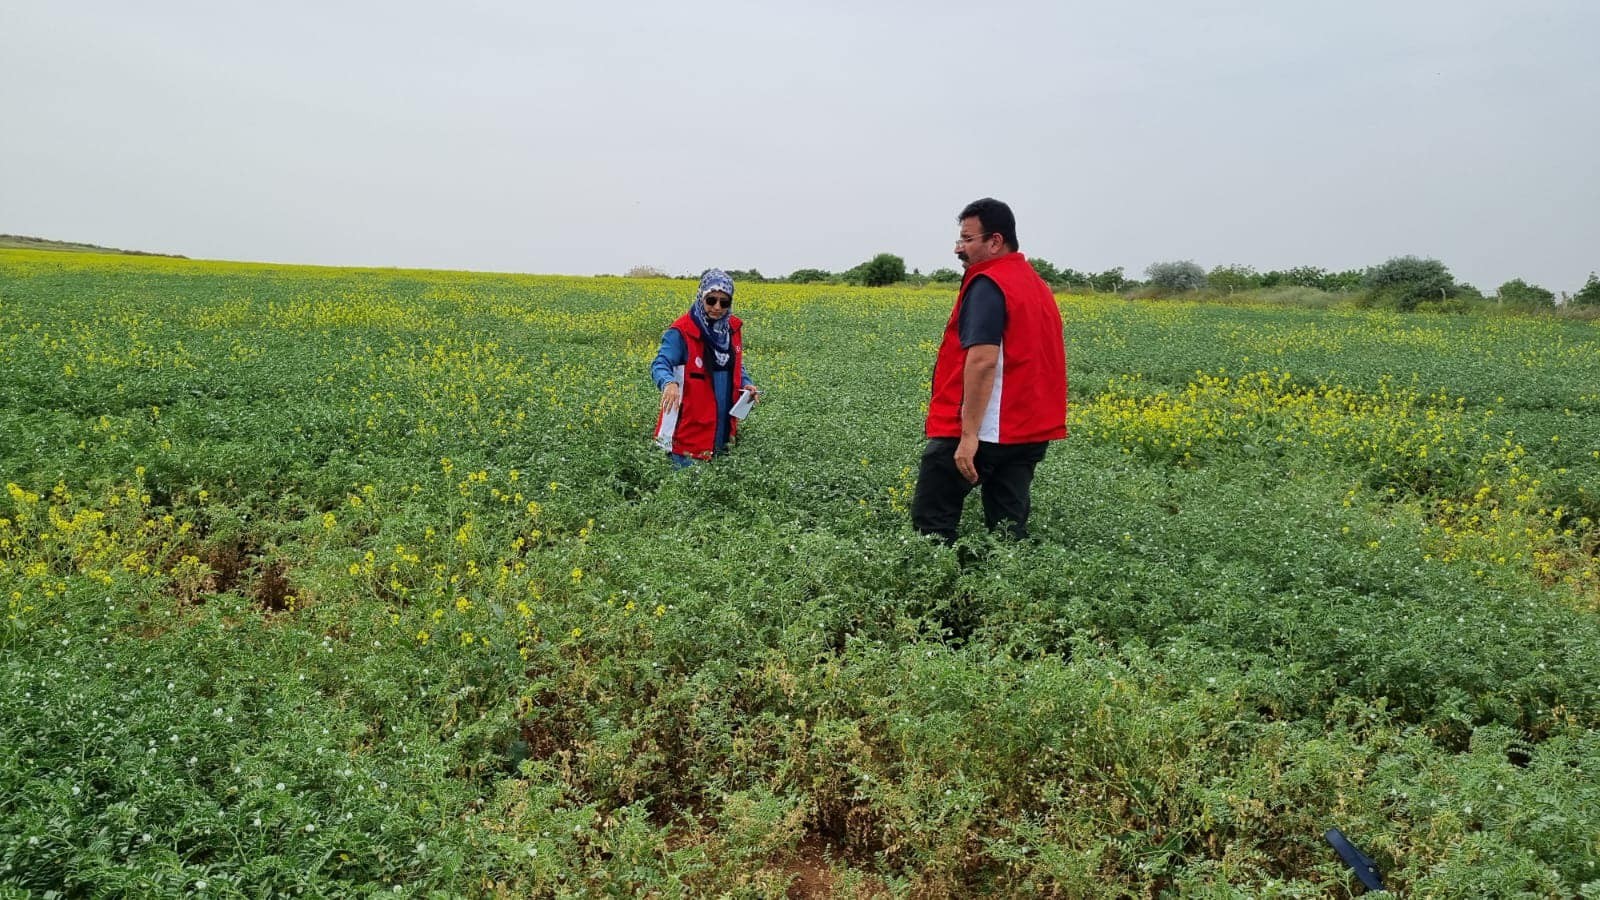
(666, 430)
(747, 399)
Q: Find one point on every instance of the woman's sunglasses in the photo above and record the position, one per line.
(724, 302)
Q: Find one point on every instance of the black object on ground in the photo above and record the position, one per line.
(1364, 867)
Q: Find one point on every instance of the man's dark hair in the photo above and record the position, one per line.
(995, 217)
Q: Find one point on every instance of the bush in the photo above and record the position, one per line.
(881, 270)
(1590, 294)
(1074, 279)
(808, 276)
(1348, 280)
(1233, 279)
(944, 275)
(1176, 277)
(1517, 292)
(1313, 277)
(1405, 281)
(1109, 282)
(1046, 269)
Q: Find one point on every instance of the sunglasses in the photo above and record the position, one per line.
(724, 302)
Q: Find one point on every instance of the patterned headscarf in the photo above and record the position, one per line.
(716, 333)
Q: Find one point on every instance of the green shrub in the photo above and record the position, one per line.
(1045, 269)
(882, 270)
(1176, 277)
(1519, 293)
(1233, 279)
(1110, 281)
(1405, 281)
(1589, 294)
(808, 276)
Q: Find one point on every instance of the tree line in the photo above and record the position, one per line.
(1403, 283)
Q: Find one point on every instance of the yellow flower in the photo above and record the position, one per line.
(577, 575)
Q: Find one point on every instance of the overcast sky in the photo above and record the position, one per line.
(592, 137)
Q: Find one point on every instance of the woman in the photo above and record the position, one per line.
(695, 369)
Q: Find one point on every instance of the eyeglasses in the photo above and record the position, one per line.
(724, 302)
(967, 239)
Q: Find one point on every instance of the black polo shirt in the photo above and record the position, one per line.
(983, 313)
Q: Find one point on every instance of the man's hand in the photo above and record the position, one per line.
(966, 459)
(669, 397)
(977, 381)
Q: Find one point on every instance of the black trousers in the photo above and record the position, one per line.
(1005, 479)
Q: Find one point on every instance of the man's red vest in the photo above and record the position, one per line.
(1029, 399)
(692, 430)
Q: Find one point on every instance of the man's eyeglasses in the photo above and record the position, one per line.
(724, 302)
(967, 239)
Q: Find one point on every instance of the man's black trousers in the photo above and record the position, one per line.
(1005, 479)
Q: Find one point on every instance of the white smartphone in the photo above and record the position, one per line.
(741, 408)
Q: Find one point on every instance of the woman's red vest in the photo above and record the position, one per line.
(692, 430)
(1029, 400)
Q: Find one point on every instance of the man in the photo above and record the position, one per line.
(999, 383)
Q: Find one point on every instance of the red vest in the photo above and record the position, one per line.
(1029, 399)
(692, 430)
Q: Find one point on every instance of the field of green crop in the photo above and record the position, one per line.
(334, 581)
